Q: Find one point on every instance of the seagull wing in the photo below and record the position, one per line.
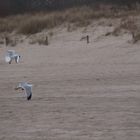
(7, 58)
(11, 52)
(17, 58)
(9, 55)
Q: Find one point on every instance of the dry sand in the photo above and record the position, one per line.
(80, 92)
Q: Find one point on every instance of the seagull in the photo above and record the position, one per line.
(27, 88)
(11, 55)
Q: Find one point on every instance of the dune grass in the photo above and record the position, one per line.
(78, 16)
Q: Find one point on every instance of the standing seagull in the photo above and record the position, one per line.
(27, 87)
(10, 55)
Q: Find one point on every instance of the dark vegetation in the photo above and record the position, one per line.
(78, 17)
(21, 6)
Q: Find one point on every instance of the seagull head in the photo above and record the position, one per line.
(20, 86)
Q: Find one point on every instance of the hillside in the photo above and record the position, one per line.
(71, 19)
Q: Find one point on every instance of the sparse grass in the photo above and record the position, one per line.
(129, 25)
(79, 17)
(135, 37)
(40, 39)
(126, 24)
(43, 41)
(51, 33)
(11, 23)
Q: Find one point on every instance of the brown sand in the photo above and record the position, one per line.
(80, 92)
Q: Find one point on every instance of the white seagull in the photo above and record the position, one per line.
(27, 88)
(12, 55)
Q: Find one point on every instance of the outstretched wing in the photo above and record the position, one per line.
(10, 52)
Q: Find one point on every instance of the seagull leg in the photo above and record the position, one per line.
(16, 59)
(10, 62)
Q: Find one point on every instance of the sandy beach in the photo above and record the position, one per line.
(80, 91)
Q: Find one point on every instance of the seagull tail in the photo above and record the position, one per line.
(29, 97)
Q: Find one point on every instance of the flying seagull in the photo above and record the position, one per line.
(12, 55)
(27, 88)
